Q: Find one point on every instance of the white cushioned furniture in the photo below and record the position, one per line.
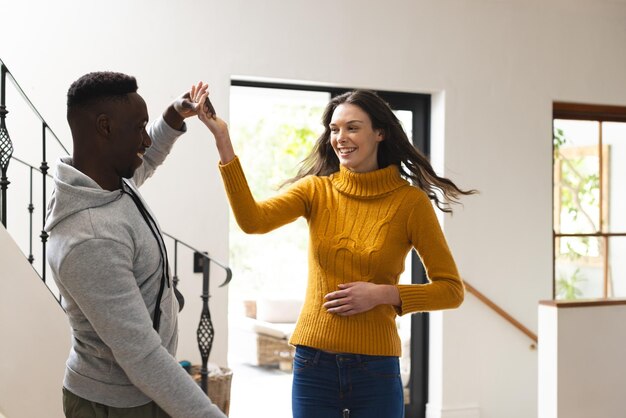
(274, 323)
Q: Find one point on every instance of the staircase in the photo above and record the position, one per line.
(34, 342)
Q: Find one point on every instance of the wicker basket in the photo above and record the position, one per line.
(218, 386)
(274, 351)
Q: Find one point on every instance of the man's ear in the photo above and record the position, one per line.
(103, 125)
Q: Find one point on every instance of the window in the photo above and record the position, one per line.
(589, 217)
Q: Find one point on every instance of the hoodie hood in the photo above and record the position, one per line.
(74, 192)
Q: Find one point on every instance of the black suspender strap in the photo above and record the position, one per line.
(164, 261)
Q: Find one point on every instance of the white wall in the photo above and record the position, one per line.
(580, 358)
(500, 64)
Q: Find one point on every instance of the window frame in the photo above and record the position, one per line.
(420, 106)
(600, 114)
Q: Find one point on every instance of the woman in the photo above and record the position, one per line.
(364, 217)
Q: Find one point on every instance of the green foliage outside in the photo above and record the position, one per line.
(569, 287)
(271, 148)
(580, 187)
(579, 191)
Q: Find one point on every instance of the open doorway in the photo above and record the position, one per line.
(274, 127)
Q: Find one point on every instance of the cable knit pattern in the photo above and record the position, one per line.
(362, 226)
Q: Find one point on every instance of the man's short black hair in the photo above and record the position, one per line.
(100, 85)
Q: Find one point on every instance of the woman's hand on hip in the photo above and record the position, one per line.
(358, 297)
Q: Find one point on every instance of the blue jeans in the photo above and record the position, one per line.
(326, 385)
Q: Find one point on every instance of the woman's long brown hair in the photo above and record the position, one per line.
(394, 149)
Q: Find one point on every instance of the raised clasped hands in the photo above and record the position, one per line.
(198, 98)
(185, 105)
(205, 111)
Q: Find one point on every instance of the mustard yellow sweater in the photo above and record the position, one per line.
(362, 226)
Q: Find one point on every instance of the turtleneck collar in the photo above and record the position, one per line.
(368, 185)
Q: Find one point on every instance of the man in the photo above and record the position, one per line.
(109, 261)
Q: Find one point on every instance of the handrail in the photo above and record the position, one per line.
(31, 209)
(32, 106)
(504, 314)
(205, 333)
(30, 166)
(229, 272)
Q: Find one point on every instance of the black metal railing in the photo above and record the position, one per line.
(6, 155)
(31, 210)
(205, 331)
(6, 147)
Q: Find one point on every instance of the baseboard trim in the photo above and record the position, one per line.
(437, 411)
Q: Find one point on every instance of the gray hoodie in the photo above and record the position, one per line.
(108, 267)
